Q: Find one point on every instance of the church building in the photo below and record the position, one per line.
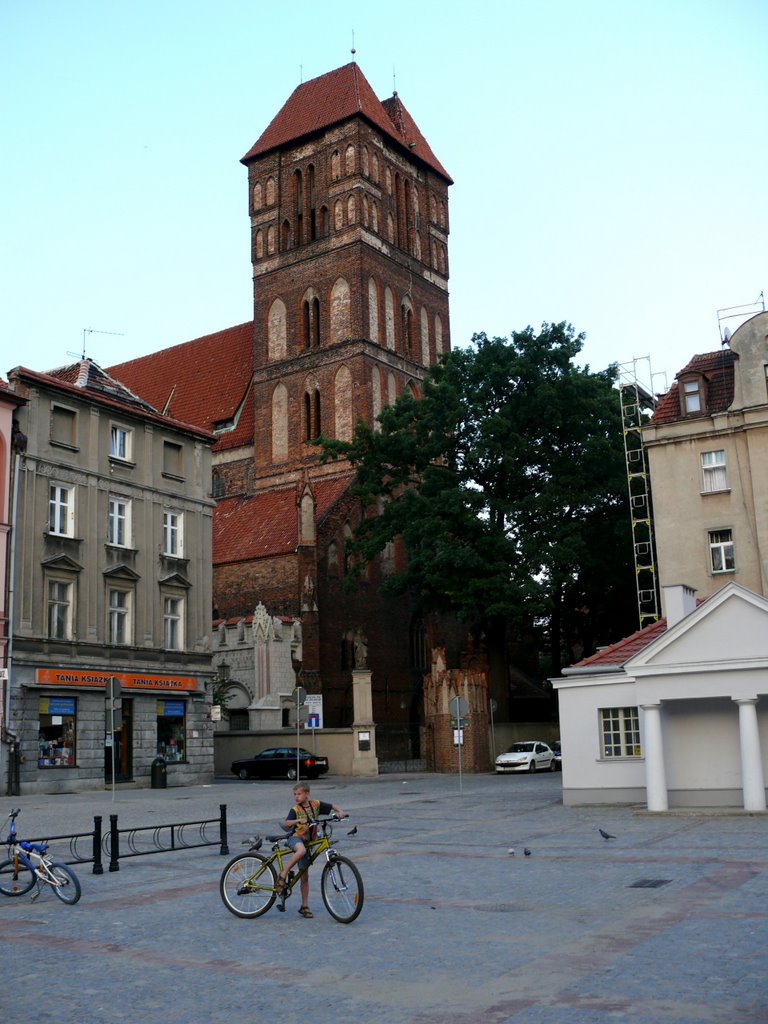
(348, 211)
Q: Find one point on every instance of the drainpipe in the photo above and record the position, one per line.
(9, 733)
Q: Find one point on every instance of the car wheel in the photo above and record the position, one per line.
(243, 773)
(291, 773)
(553, 765)
(532, 765)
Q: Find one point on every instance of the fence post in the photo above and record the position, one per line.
(114, 844)
(223, 830)
(98, 867)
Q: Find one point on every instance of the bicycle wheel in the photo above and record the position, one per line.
(342, 889)
(66, 884)
(248, 885)
(10, 886)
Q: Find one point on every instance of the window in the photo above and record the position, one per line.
(60, 615)
(721, 551)
(119, 610)
(119, 443)
(63, 426)
(173, 626)
(691, 397)
(171, 730)
(56, 732)
(173, 463)
(620, 729)
(713, 471)
(61, 510)
(119, 521)
(173, 533)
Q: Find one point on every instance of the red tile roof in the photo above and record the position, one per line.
(620, 652)
(205, 381)
(335, 97)
(266, 524)
(717, 370)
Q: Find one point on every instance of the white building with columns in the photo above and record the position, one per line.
(676, 715)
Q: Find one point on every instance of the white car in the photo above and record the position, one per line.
(527, 756)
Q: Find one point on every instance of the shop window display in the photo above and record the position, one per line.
(171, 730)
(57, 732)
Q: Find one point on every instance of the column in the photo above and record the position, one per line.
(364, 760)
(752, 779)
(655, 775)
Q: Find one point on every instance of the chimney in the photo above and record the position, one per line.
(678, 601)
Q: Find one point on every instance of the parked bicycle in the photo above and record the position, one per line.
(249, 881)
(28, 864)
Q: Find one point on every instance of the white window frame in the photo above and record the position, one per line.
(63, 598)
(120, 443)
(173, 533)
(61, 510)
(692, 397)
(173, 622)
(713, 471)
(119, 616)
(119, 521)
(722, 555)
(619, 733)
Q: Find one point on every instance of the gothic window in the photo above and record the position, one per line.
(285, 236)
(338, 215)
(375, 167)
(258, 196)
(438, 335)
(417, 247)
(277, 331)
(375, 216)
(333, 559)
(311, 412)
(340, 325)
(347, 535)
(280, 423)
(406, 321)
(335, 165)
(373, 311)
(343, 404)
(376, 396)
(389, 318)
(318, 421)
(259, 244)
(424, 336)
(312, 211)
(271, 239)
(298, 205)
(408, 218)
(365, 207)
(270, 191)
(391, 228)
(391, 389)
(351, 210)
(443, 216)
(366, 163)
(218, 485)
(433, 209)
(307, 416)
(311, 320)
(325, 222)
(306, 321)
(349, 160)
(316, 322)
(388, 180)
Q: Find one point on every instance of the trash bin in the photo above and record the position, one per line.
(159, 779)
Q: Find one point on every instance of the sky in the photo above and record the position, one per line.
(609, 161)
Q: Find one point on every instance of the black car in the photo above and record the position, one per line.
(281, 763)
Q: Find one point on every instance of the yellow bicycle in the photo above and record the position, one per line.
(249, 881)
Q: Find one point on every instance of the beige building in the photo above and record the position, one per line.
(707, 447)
(112, 578)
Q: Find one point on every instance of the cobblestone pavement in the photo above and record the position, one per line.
(455, 929)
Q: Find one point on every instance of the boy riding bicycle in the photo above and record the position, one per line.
(300, 823)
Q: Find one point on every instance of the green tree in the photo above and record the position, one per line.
(506, 482)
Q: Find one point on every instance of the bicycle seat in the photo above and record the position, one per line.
(33, 847)
(276, 839)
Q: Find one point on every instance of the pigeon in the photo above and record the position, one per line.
(352, 831)
(511, 852)
(527, 852)
(605, 835)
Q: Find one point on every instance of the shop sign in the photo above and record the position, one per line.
(170, 708)
(128, 680)
(57, 705)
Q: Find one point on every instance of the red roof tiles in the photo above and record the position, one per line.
(620, 652)
(335, 97)
(717, 370)
(205, 381)
(266, 524)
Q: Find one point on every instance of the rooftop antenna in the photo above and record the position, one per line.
(353, 51)
(741, 313)
(92, 330)
(394, 81)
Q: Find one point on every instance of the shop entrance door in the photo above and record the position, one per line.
(123, 747)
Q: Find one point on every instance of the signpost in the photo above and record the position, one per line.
(115, 707)
(459, 708)
(314, 706)
(299, 697)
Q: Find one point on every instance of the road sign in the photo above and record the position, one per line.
(313, 721)
(314, 705)
(459, 707)
(458, 737)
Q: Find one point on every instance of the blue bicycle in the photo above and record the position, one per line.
(27, 864)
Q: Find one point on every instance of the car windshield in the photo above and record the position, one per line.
(520, 748)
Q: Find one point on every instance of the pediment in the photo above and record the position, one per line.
(175, 579)
(121, 572)
(62, 563)
(728, 629)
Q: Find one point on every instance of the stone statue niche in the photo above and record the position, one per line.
(276, 647)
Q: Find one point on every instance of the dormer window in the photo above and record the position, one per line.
(693, 400)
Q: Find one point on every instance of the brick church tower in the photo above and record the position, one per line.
(349, 229)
